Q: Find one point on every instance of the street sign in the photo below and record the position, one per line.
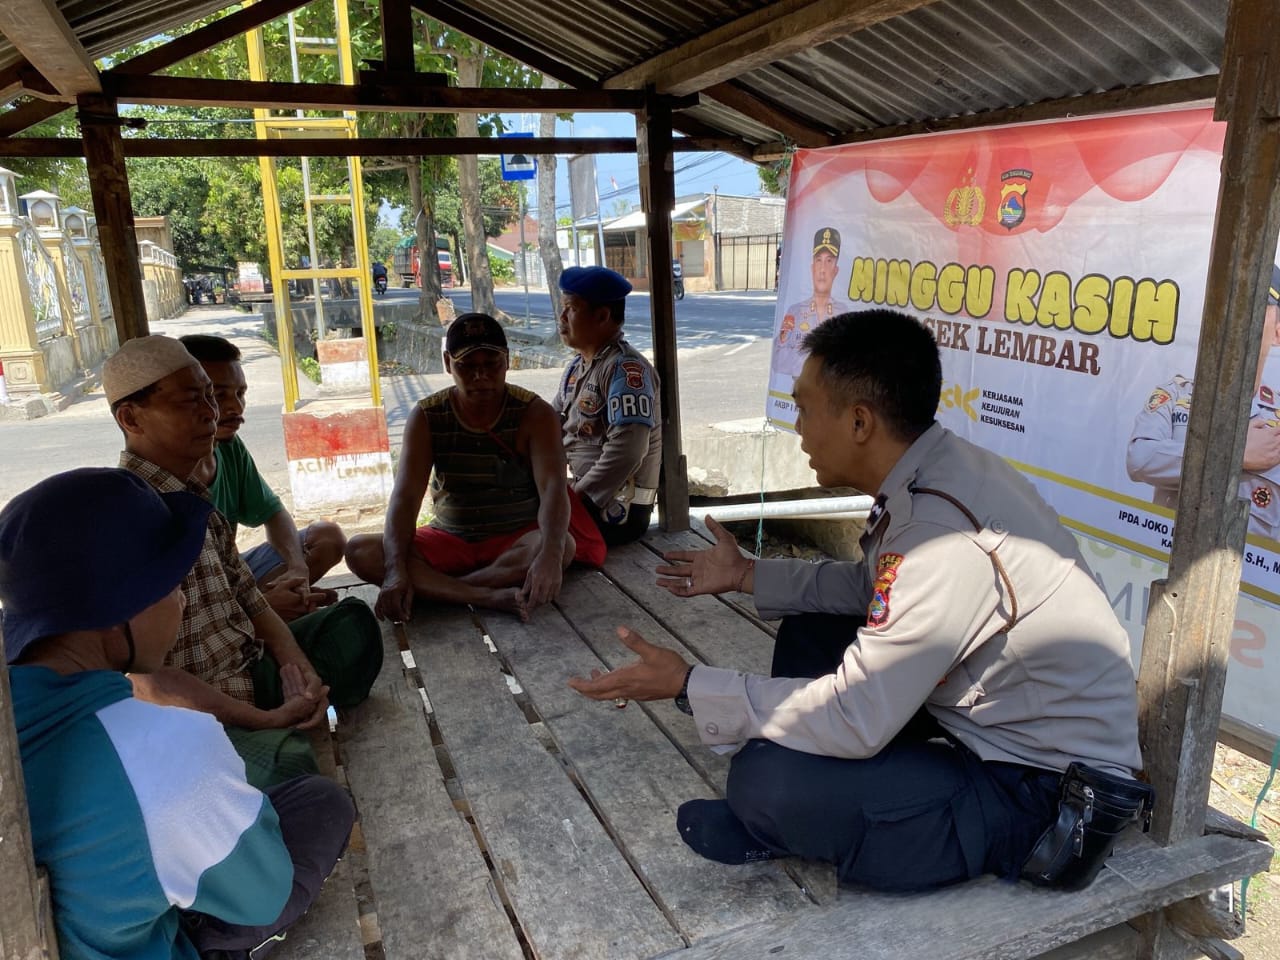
(518, 166)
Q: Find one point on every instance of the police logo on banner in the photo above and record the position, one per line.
(1013, 198)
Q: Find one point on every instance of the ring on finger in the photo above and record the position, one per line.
(620, 703)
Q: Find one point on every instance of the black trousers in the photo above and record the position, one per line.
(921, 813)
(316, 816)
(630, 530)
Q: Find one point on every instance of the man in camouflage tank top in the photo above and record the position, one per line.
(504, 525)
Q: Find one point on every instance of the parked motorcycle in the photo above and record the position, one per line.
(677, 274)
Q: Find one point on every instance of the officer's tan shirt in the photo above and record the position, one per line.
(1057, 687)
(1154, 454)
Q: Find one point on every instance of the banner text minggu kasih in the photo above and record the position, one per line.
(1143, 310)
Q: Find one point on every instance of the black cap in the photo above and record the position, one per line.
(827, 239)
(474, 331)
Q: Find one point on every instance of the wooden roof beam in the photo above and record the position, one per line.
(742, 101)
(41, 33)
(210, 35)
(757, 39)
(344, 147)
(22, 79)
(396, 97)
(161, 57)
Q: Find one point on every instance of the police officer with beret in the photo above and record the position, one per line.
(803, 316)
(608, 406)
(1154, 454)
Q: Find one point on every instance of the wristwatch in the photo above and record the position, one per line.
(682, 698)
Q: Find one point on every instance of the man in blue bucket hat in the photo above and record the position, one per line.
(155, 843)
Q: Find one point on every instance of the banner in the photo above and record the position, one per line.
(1061, 267)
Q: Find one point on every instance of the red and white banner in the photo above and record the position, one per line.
(1062, 268)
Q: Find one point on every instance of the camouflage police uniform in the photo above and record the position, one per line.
(1155, 449)
(612, 425)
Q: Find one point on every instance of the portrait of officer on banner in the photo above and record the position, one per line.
(802, 316)
(1154, 455)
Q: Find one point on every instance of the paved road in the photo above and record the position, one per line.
(723, 372)
(705, 319)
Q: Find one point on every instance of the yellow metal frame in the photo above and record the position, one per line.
(269, 127)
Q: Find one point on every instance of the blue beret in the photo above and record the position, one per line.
(595, 284)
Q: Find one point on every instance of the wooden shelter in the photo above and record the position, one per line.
(751, 77)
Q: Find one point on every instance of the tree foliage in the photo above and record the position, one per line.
(214, 205)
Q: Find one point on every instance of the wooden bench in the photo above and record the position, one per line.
(504, 816)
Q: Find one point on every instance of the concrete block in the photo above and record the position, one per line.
(339, 457)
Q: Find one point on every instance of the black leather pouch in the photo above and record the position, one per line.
(1094, 808)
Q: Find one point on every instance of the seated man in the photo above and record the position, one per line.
(288, 564)
(927, 703)
(505, 526)
(155, 844)
(608, 406)
(234, 655)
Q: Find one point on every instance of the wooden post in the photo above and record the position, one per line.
(1188, 633)
(109, 182)
(397, 36)
(23, 932)
(658, 199)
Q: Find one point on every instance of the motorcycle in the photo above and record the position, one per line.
(677, 274)
(380, 284)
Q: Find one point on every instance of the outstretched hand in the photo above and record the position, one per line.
(657, 675)
(718, 569)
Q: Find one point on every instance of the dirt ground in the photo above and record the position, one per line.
(1237, 781)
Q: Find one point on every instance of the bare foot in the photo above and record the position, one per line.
(511, 600)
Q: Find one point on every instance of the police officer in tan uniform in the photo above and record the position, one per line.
(928, 702)
(1154, 454)
(802, 316)
(608, 406)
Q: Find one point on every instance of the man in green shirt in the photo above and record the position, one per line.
(287, 565)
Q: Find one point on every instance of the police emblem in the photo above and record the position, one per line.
(1262, 497)
(634, 373)
(1013, 198)
(588, 405)
(886, 574)
(965, 204)
(1159, 397)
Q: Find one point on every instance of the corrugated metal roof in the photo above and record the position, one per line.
(965, 56)
(105, 28)
(940, 60)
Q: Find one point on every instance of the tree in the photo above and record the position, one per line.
(774, 177)
(548, 248)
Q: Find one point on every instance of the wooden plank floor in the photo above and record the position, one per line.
(502, 815)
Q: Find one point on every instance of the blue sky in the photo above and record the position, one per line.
(695, 172)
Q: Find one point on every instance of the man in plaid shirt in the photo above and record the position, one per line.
(235, 657)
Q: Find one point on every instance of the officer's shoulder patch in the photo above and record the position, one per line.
(1159, 397)
(886, 573)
